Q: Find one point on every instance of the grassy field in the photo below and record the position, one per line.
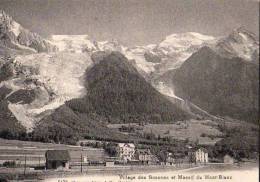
(205, 131)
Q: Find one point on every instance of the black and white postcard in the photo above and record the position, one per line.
(129, 90)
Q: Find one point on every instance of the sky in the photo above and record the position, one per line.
(133, 22)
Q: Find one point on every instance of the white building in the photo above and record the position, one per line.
(170, 158)
(126, 151)
(144, 155)
(199, 156)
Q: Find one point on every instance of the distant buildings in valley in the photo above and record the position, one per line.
(145, 156)
(108, 154)
(170, 160)
(125, 151)
(199, 155)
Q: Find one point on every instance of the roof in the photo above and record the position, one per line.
(143, 151)
(203, 150)
(227, 155)
(126, 144)
(200, 148)
(111, 159)
(59, 155)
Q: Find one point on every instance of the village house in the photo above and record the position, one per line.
(125, 151)
(57, 159)
(227, 159)
(169, 159)
(110, 161)
(199, 156)
(144, 155)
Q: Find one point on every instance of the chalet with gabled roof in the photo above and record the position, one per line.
(125, 151)
(57, 159)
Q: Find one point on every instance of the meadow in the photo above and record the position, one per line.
(204, 131)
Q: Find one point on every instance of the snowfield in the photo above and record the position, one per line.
(173, 50)
(15, 28)
(72, 43)
(177, 48)
(55, 78)
(137, 54)
(61, 72)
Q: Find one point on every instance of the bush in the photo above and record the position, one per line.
(203, 135)
(149, 136)
(10, 164)
(110, 149)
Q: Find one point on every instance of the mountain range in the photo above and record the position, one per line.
(74, 83)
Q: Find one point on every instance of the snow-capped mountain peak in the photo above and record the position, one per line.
(240, 43)
(168, 54)
(9, 23)
(176, 48)
(73, 43)
(242, 35)
(112, 45)
(14, 36)
(83, 43)
(16, 28)
(183, 40)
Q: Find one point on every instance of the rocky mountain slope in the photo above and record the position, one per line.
(239, 43)
(116, 91)
(221, 86)
(14, 36)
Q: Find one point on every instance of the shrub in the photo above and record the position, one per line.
(203, 135)
(10, 164)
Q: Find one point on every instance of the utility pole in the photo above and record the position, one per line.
(24, 164)
(39, 161)
(81, 160)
